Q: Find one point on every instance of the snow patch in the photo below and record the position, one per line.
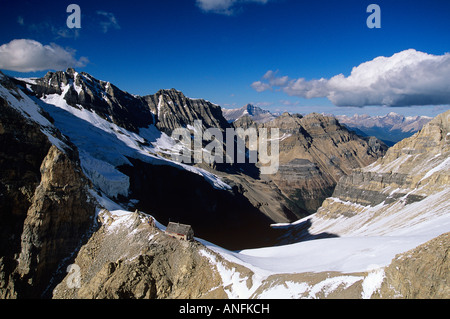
(235, 286)
(372, 283)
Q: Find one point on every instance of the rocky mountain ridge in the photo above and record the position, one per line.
(409, 184)
(72, 97)
(315, 152)
(356, 232)
(136, 167)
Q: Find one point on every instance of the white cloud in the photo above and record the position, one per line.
(23, 55)
(259, 86)
(226, 7)
(109, 22)
(407, 78)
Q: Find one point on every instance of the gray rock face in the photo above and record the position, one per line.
(44, 203)
(172, 110)
(422, 273)
(82, 90)
(167, 109)
(315, 152)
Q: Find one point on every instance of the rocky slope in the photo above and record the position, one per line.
(45, 204)
(315, 152)
(412, 170)
(128, 258)
(421, 273)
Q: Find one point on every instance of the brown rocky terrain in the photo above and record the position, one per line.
(45, 206)
(421, 273)
(128, 258)
(411, 170)
(315, 152)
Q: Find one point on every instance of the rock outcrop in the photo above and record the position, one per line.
(421, 273)
(411, 170)
(315, 152)
(129, 259)
(173, 109)
(45, 204)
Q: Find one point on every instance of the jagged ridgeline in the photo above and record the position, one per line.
(126, 146)
(72, 145)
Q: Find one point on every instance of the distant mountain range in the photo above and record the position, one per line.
(390, 128)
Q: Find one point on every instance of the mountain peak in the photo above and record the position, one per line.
(393, 114)
(257, 114)
(70, 71)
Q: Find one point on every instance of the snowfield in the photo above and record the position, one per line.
(104, 146)
(357, 258)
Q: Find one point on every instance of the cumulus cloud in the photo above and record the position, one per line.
(24, 55)
(226, 7)
(407, 78)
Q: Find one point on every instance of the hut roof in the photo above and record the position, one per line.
(177, 228)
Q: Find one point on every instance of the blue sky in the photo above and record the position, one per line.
(209, 50)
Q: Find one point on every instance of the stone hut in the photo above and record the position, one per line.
(180, 231)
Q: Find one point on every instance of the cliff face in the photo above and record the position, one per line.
(82, 90)
(315, 152)
(45, 205)
(421, 273)
(173, 110)
(412, 170)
